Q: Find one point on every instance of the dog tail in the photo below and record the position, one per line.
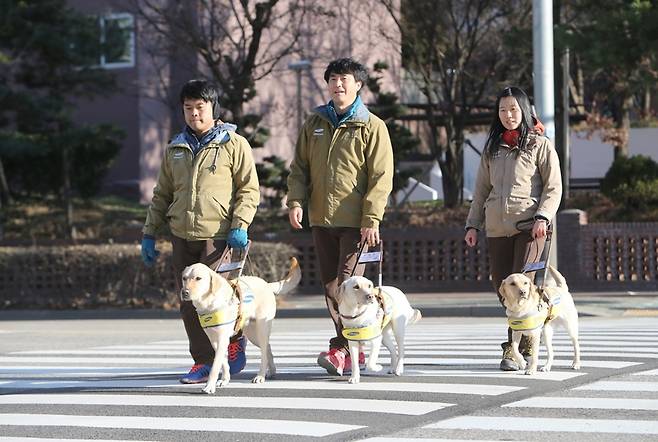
(290, 281)
(559, 279)
(416, 317)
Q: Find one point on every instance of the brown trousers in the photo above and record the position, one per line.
(337, 250)
(186, 253)
(509, 255)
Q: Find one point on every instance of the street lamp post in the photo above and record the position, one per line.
(299, 67)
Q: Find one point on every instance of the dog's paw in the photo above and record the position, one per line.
(522, 364)
(545, 368)
(530, 371)
(376, 368)
(575, 366)
(354, 380)
(223, 383)
(209, 389)
(258, 379)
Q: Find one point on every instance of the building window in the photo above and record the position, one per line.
(117, 33)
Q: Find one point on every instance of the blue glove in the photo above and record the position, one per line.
(149, 254)
(237, 238)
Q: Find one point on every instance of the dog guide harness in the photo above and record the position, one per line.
(374, 328)
(547, 310)
(233, 312)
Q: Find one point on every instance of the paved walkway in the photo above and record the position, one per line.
(485, 304)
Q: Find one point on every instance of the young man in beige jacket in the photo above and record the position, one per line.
(343, 171)
(207, 194)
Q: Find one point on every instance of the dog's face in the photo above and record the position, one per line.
(356, 291)
(518, 291)
(199, 283)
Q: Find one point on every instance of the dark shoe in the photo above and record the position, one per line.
(198, 374)
(507, 363)
(332, 361)
(525, 348)
(237, 359)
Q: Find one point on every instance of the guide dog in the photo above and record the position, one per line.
(376, 315)
(531, 313)
(225, 308)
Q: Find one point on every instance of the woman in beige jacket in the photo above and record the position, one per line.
(518, 182)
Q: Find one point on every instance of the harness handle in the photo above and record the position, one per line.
(369, 258)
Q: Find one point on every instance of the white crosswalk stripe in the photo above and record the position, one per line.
(139, 382)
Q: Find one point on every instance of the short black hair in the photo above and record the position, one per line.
(201, 89)
(347, 66)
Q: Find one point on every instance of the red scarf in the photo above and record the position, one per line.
(511, 137)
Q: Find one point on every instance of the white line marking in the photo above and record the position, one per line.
(178, 362)
(41, 439)
(410, 439)
(333, 385)
(619, 386)
(421, 350)
(370, 405)
(647, 373)
(263, 426)
(550, 376)
(587, 403)
(23, 373)
(507, 424)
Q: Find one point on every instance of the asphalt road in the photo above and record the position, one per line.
(117, 380)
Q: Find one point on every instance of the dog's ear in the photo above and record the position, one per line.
(339, 292)
(503, 293)
(215, 280)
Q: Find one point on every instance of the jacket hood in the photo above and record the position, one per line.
(357, 113)
(219, 134)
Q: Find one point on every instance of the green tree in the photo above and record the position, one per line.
(48, 56)
(273, 175)
(454, 53)
(616, 42)
(388, 108)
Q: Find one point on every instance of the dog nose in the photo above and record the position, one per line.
(184, 294)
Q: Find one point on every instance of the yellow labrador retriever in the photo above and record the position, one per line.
(370, 314)
(219, 308)
(531, 314)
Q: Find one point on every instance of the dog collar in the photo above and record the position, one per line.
(218, 317)
(373, 329)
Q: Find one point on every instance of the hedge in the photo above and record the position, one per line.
(107, 275)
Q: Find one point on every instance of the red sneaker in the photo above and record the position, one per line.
(348, 362)
(332, 361)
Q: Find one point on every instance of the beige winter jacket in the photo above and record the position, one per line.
(513, 187)
(204, 196)
(345, 174)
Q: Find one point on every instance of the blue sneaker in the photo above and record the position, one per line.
(198, 374)
(237, 359)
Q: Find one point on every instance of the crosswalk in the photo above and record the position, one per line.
(131, 391)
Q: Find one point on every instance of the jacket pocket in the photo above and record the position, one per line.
(522, 207)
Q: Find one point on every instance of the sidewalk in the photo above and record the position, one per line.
(484, 304)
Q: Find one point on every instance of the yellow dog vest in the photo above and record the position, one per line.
(226, 316)
(535, 320)
(218, 317)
